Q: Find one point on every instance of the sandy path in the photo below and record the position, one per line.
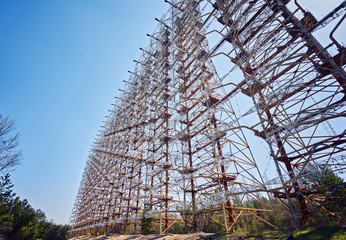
(195, 236)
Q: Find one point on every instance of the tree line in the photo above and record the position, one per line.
(18, 219)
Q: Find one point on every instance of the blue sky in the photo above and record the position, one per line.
(61, 64)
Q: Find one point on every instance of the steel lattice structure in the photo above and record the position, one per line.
(175, 145)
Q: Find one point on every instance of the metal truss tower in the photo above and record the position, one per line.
(222, 85)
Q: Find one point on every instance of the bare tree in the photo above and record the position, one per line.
(10, 155)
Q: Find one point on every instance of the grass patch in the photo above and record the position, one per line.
(310, 233)
(272, 234)
(321, 233)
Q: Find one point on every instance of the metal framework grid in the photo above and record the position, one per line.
(175, 145)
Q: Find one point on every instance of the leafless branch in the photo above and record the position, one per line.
(10, 155)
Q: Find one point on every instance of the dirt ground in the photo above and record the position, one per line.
(195, 236)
